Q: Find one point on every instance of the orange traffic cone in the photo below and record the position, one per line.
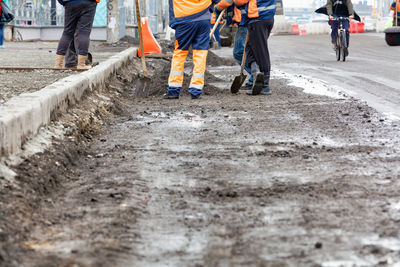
(150, 44)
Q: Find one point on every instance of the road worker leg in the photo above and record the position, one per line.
(200, 51)
(238, 51)
(175, 79)
(197, 81)
(258, 55)
(185, 34)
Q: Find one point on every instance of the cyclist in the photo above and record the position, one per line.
(340, 8)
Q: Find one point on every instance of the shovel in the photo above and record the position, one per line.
(143, 80)
(216, 23)
(239, 80)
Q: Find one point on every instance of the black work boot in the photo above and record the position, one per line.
(247, 86)
(265, 89)
(258, 79)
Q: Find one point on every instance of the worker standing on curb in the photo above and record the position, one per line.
(79, 14)
(395, 6)
(71, 57)
(259, 18)
(235, 19)
(2, 26)
(191, 21)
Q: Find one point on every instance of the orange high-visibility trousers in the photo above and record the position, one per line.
(195, 34)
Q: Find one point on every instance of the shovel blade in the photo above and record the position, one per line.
(237, 83)
(141, 88)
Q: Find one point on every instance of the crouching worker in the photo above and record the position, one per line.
(191, 21)
(258, 15)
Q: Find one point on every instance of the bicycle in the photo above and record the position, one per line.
(341, 40)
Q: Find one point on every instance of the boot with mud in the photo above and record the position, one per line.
(265, 89)
(59, 61)
(82, 63)
(258, 79)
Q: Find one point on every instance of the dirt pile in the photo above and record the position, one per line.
(216, 61)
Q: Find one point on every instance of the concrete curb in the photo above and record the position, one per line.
(23, 115)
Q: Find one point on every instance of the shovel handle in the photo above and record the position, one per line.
(244, 53)
(396, 13)
(216, 23)
(139, 22)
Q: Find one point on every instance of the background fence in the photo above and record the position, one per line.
(49, 12)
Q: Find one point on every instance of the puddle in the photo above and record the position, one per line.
(188, 119)
(182, 120)
(310, 85)
(389, 243)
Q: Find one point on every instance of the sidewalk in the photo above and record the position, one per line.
(29, 98)
(40, 55)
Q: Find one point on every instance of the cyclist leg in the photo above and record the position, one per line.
(346, 26)
(334, 26)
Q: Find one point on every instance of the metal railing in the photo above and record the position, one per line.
(49, 12)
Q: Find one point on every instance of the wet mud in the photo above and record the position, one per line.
(290, 179)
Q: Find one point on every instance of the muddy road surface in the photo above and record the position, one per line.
(290, 179)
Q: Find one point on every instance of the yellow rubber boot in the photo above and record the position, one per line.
(81, 63)
(59, 62)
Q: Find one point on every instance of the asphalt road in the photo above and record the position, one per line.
(370, 73)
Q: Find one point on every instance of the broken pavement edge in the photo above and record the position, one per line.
(25, 114)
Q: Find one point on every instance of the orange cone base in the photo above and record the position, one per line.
(150, 43)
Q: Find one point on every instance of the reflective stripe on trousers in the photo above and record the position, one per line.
(177, 65)
(199, 62)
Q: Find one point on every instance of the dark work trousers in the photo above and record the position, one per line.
(257, 45)
(71, 57)
(78, 16)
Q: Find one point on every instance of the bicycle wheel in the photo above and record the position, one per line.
(343, 45)
(337, 49)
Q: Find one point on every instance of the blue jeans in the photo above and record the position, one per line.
(335, 25)
(1, 34)
(238, 48)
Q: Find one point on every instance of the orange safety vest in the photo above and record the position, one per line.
(237, 15)
(398, 10)
(213, 19)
